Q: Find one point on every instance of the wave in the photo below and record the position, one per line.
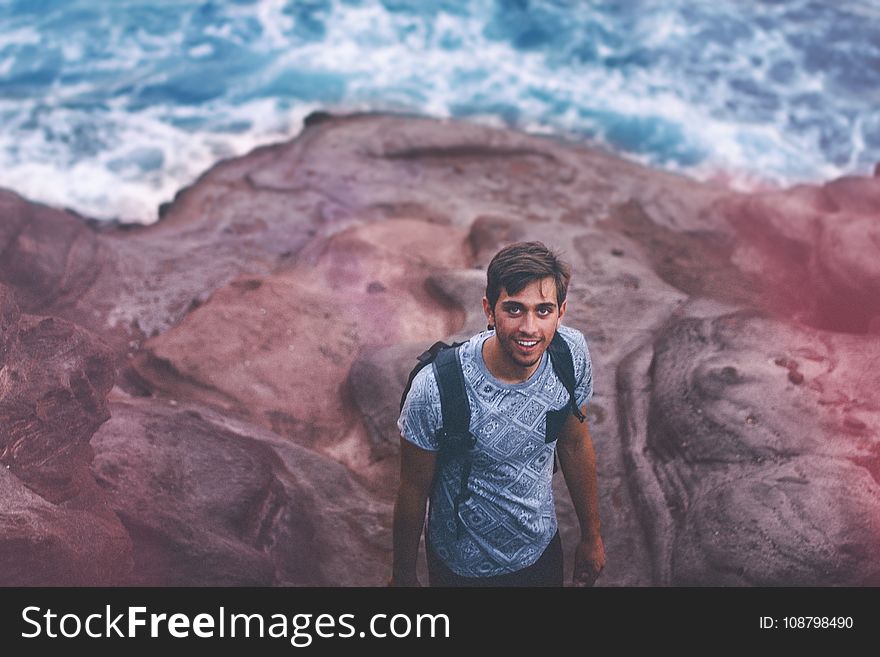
(110, 108)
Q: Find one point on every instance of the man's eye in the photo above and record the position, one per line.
(514, 311)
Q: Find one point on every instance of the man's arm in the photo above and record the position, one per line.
(416, 477)
(578, 461)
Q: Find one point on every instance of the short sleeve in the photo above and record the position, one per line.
(421, 416)
(583, 365)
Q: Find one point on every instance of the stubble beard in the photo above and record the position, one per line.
(508, 346)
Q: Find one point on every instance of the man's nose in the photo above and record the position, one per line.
(529, 323)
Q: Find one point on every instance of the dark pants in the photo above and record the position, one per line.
(546, 571)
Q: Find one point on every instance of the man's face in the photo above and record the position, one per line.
(525, 322)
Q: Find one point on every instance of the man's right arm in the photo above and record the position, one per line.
(416, 477)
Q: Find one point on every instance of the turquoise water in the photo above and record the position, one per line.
(110, 106)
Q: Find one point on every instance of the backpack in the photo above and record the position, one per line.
(454, 436)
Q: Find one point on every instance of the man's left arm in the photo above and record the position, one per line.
(578, 461)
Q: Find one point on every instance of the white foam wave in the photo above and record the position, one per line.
(143, 160)
(707, 98)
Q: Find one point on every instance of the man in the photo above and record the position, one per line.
(503, 532)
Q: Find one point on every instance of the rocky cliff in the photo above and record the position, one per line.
(212, 399)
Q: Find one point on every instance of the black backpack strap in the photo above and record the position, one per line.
(453, 397)
(425, 359)
(455, 437)
(563, 365)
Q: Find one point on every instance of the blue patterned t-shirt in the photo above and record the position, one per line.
(510, 516)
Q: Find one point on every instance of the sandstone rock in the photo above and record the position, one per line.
(360, 290)
(49, 257)
(209, 501)
(760, 479)
(44, 544)
(55, 527)
(808, 521)
(281, 300)
(815, 249)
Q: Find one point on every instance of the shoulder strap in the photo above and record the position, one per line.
(563, 365)
(453, 397)
(456, 440)
(425, 359)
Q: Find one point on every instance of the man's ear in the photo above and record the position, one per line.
(561, 312)
(490, 314)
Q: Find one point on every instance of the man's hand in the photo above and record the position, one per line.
(589, 560)
(578, 460)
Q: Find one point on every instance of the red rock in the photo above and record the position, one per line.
(315, 317)
(815, 249)
(738, 499)
(280, 302)
(209, 501)
(55, 526)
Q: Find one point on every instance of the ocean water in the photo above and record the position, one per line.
(108, 107)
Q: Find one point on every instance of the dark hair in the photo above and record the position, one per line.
(521, 263)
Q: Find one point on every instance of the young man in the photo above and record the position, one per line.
(503, 530)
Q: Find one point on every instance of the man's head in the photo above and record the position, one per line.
(525, 299)
(519, 264)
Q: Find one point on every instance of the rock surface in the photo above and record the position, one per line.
(211, 501)
(56, 527)
(263, 329)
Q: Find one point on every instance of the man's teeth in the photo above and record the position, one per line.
(527, 343)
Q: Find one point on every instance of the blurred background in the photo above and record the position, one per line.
(108, 107)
